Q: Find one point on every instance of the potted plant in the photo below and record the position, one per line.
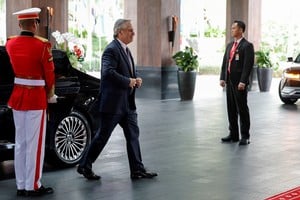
(187, 62)
(264, 69)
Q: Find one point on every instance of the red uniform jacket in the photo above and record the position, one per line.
(31, 58)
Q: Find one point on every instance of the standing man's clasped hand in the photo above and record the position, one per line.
(241, 86)
(222, 83)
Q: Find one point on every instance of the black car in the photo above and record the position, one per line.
(289, 86)
(71, 122)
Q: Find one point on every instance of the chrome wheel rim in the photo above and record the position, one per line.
(71, 139)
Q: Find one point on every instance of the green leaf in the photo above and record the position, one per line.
(187, 59)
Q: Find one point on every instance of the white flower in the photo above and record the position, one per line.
(69, 43)
(69, 37)
(58, 37)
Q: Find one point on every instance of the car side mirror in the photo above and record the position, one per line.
(290, 59)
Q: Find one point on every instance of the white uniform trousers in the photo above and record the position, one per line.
(29, 148)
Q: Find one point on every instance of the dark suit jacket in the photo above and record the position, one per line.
(116, 97)
(240, 68)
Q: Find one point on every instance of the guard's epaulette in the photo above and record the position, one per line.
(41, 38)
(11, 37)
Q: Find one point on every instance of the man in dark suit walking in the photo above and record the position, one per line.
(117, 103)
(237, 64)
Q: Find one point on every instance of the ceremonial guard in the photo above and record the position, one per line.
(33, 67)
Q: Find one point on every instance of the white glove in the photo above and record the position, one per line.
(53, 99)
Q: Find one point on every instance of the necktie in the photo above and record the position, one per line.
(131, 66)
(129, 59)
(231, 55)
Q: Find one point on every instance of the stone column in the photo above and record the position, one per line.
(151, 47)
(248, 11)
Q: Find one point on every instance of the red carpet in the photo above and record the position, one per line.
(293, 194)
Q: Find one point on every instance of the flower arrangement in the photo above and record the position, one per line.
(69, 43)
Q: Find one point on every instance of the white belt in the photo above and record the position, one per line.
(30, 82)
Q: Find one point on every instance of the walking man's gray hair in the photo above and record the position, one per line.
(119, 25)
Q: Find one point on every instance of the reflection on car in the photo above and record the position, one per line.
(71, 122)
(289, 85)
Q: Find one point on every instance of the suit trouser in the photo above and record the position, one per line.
(237, 107)
(30, 131)
(128, 122)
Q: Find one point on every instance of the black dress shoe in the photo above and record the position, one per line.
(39, 192)
(229, 139)
(21, 192)
(244, 141)
(88, 173)
(142, 174)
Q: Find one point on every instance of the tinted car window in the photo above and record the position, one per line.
(6, 76)
(297, 60)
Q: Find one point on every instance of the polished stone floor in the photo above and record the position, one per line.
(181, 141)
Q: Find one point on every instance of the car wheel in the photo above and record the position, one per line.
(285, 100)
(71, 139)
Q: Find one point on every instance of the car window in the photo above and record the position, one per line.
(94, 74)
(297, 60)
(6, 72)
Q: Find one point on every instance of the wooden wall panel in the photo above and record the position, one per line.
(150, 22)
(168, 8)
(248, 11)
(149, 32)
(254, 23)
(12, 25)
(59, 20)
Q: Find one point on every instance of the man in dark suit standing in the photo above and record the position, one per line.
(237, 64)
(117, 103)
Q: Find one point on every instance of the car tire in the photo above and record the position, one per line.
(285, 100)
(71, 139)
